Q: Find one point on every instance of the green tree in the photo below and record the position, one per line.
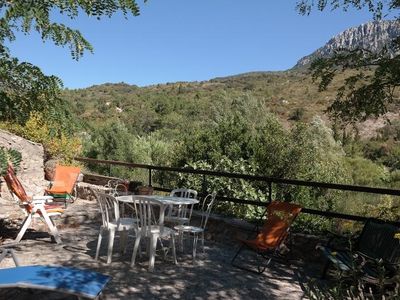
(23, 86)
(370, 89)
(27, 15)
(113, 141)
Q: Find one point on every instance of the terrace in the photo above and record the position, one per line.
(211, 277)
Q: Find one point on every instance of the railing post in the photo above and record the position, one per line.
(204, 186)
(109, 170)
(269, 191)
(150, 177)
(161, 178)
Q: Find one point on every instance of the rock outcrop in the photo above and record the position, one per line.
(372, 36)
(31, 171)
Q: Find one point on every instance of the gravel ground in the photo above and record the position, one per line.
(211, 277)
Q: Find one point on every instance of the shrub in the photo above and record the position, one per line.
(57, 144)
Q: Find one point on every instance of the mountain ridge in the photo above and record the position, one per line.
(372, 36)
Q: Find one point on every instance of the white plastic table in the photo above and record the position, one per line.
(167, 200)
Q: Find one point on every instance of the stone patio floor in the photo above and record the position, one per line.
(212, 277)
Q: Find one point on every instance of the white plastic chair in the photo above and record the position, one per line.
(206, 207)
(150, 229)
(116, 187)
(112, 222)
(33, 207)
(180, 214)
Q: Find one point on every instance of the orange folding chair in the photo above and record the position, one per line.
(33, 207)
(280, 216)
(62, 187)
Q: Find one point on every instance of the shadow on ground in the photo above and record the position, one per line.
(212, 277)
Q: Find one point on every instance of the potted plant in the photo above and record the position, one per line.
(8, 156)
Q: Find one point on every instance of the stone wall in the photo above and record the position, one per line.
(31, 170)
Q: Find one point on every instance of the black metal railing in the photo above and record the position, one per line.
(268, 180)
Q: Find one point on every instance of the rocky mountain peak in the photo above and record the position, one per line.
(372, 36)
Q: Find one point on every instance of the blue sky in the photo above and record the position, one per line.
(187, 40)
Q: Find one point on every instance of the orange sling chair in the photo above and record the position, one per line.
(33, 207)
(280, 216)
(65, 178)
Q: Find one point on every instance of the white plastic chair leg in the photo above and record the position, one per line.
(6, 252)
(51, 226)
(153, 245)
(15, 258)
(196, 237)
(173, 249)
(181, 233)
(202, 242)
(24, 227)
(111, 236)
(99, 244)
(135, 249)
(164, 249)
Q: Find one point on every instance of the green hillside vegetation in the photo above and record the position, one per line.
(290, 95)
(266, 123)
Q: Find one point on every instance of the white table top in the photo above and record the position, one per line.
(168, 200)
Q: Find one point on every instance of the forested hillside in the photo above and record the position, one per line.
(290, 95)
(267, 123)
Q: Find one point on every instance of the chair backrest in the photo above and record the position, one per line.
(184, 193)
(182, 211)
(280, 216)
(117, 187)
(16, 189)
(65, 178)
(206, 208)
(380, 240)
(146, 214)
(109, 208)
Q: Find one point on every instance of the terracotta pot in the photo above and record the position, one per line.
(145, 190)
(50, 169)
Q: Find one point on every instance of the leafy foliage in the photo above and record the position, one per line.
(232, 145)
(57, 142)
(371, 88)
(113, 141)
(354, 285)
(22, 15)
(378, 8)
(235, 188)
(9, 156)
(24, 88)
(224, 124)
(369, 91)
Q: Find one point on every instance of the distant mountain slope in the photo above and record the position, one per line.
(171, 105)
(291, 95)
(371, 36)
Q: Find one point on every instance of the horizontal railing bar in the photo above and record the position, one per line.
(221, 198)
(343, 187)
(342, 216)
(304, 210)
